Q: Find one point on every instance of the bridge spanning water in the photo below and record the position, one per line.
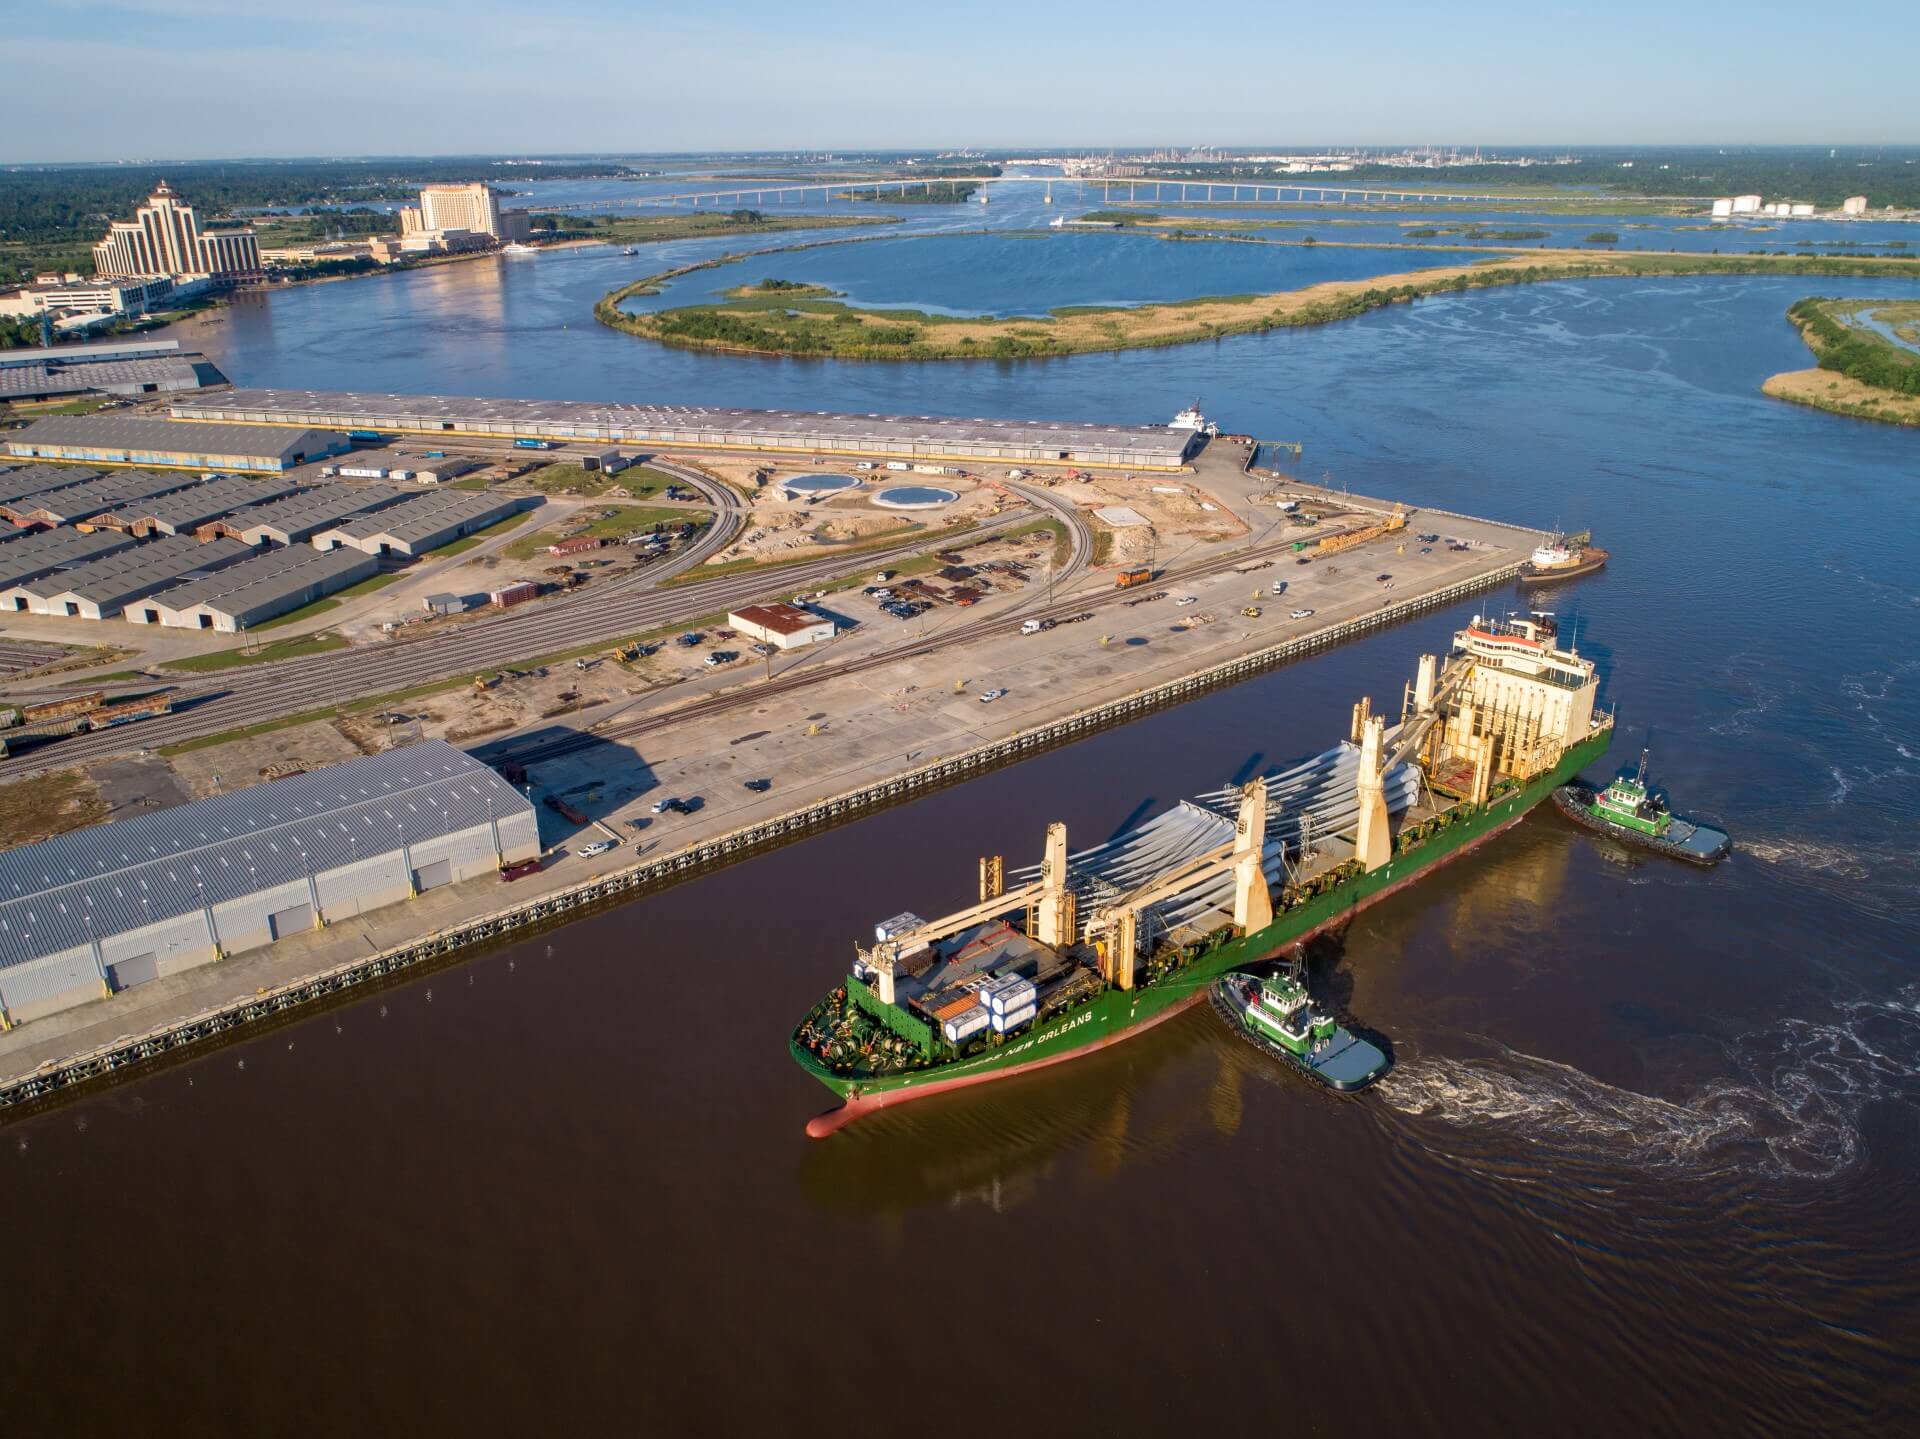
(1153, 191)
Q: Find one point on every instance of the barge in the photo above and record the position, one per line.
(1088, 947)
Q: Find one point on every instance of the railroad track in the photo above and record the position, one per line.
(963, 634)
(297, 686)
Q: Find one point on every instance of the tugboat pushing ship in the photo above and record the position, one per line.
(1631, 812)
(1090, 946)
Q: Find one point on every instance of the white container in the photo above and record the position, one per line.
(1013, 997)
(898, 465)
(893, 928)
(1007, 1023)
(965, 1025)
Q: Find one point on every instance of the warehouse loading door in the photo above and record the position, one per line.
(432, 876)
(134, 969)
(284, 922)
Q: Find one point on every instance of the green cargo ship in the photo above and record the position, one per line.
(1087, 948)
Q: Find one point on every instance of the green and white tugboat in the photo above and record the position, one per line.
(1278, 1014)
(1627, 810)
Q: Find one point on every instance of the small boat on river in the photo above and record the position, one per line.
(1278, 1015)
(1627, 810)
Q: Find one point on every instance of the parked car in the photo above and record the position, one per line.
(1279, 588)
(990, 696)
(670, 805)
(599, 846)
(1383, 576)
(1303, 614)
(1186, 599)
(758, 786)
(720, 657)
(690, 638)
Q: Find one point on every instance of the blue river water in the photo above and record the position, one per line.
(1647, 1159)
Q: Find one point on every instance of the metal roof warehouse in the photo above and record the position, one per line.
(30, 556)
(133, 440)
(255, 590)
(419, 524)
(98, 589)
(186, 510)
(116, 905)
(923, 437)
(303, 515)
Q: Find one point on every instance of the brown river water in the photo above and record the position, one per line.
(1646, 1163)
(565, 1184)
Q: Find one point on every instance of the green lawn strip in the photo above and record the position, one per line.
(478, 537)
(279, 650)
(330, 602)
(626, 520)
(743, 566)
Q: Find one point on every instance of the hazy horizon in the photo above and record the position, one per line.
(586, 77)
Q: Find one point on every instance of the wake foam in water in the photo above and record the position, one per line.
(1878, 879)
(1791, 1110)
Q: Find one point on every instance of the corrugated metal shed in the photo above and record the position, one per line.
(138, 436)
(191, 508)
(267, 584)
(301, 516)
(72, 504)
(419, 523)
(31, 556)
(95, 883)
(114, 580)
(926, 436)
(19, 481)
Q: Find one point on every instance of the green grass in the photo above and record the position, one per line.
(646, 229)
(828, 328)
(279, 650)
(625, 520)
(479, 537)
(1062, 540)
(330, 602)
(71, 407)
(742, 566)
(640, 481)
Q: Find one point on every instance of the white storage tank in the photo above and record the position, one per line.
(965, 1025)
(1007, 1023)
(893, 928)
(1008, 994)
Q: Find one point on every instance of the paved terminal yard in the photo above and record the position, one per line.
(882, 698)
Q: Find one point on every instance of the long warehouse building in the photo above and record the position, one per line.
(419, 524)
(99, 589)
(100, 910)
(168, 444)
(908, 437)
(247, 595)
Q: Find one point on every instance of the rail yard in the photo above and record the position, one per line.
(644, 725)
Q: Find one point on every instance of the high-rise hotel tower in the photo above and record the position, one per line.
(164, 238)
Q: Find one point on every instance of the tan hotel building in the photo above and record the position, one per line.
(164, 238)
(474, 208)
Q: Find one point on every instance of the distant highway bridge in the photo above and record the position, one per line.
(1152, 191)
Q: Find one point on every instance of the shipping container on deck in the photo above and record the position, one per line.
(1007, 1023)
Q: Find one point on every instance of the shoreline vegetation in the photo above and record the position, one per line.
(649, 229)
(778, 322)
(1859, 373)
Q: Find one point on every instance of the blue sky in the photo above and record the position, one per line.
(127, 79)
